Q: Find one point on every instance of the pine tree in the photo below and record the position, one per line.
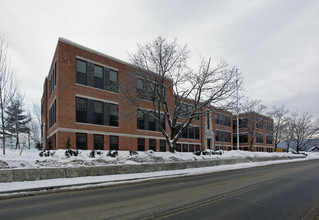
(17, 120)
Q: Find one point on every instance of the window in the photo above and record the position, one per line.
(197, 147)
(52, 114)
(140, 144)
(243, 122)
(221, 119)
(98, 77)
(196, 129)
(269, 126)
(185, 148)
(140, 88)
(98, 142)
(81, 141)
(178, 147)
(186, 110)
(269, 139)
(190, 133)
(259, 138)
(222, 136)
(207, 119)
(162, 145)
(151, 123)
(243, 138)
(98, 112)
(140, 119)
(80, 110)
(152, 144)
(81, 70)
(113, 81)
(259, 123)
(114, 142)
(52, 80)
(113, 115)
(191, 148)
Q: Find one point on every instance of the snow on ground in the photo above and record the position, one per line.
(13, 188)
(31, 159)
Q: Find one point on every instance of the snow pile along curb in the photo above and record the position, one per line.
(13, 175)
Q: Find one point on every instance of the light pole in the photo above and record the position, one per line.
(237, 109)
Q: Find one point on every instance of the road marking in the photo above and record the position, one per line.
(204, 203)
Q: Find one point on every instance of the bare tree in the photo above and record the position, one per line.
(251, 109)
(278, 114)
(304, 128)
(160, 68)
(35, 123)
(288, 130)
(9, 86)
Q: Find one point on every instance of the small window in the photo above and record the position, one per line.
(80, 110)
(162, 145)
(191, 148)
(178, 147)
(113, 80)
(98, 77)
(114, 115)
(140, 144)
(151, 123)
(140, 119)
(114, 142)
(98, 112)
(152, 144)
(81, 141)
(185, 148)
(98, 142)
(259, 138)
(81, 70)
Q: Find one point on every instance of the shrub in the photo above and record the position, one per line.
(92, 154)
(46, 153)
(68, 143)
(70, 152)
(133, 152)
(197, 153)
(112, 153)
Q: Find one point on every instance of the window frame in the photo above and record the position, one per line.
(76, 110)
(77, 141)
(98, 145)
(79, 75)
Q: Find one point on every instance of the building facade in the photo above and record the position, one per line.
(82, 104)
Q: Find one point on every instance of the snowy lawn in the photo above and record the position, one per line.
(58, 158)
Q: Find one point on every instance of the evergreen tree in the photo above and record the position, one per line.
(17, 120)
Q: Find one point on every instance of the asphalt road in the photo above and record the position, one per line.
(284, 191)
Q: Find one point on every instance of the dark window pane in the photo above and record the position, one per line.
(140, 144)
(162, 145)
(185, 148)
(81, 72)
(114, 143)
(113, 115)
(98, 142)
(113, 81)
(140, 119)
(81, 141)
(152, 143)
(81, 110)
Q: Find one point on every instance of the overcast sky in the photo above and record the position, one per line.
(274, 43)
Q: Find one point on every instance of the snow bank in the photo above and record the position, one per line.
(31, 159)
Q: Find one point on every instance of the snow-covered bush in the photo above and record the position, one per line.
(70, 152)
(46, 153)
(133, 152)
(112, 153)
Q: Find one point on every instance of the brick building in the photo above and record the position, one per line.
(256, 130)
(82, 102)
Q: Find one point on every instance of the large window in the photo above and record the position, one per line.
(81, 110)
(259, 138)
(52, 114)
(222, 136)
(186, 110)
(190, 132)
(269, 139)
(114, 115)
(185, 147)
(140, 144)
(148, 90)
(98, 142)
(98, 77)
(221, 119)
(81, 141)
(114, 142)
(98, 112)
(149, 121)
(152, 144)
(243, 123)
(52, 80)
(269, 126)
(81, 70)
(259, 123)
(243, 138)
